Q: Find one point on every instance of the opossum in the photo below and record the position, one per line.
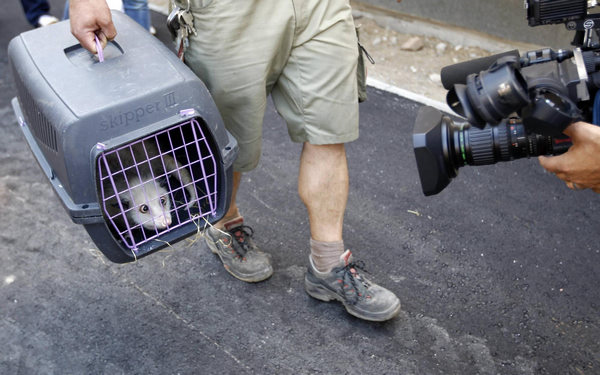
(141, 191)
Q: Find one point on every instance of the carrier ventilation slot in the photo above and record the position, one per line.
(38, 123)
(153, 186)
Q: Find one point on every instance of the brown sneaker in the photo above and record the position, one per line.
(238, 252)
(361, 297)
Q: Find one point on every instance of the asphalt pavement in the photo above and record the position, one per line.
(497, 274)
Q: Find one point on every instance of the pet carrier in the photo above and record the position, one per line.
(133, 145)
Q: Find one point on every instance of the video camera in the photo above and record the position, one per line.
(515, 106)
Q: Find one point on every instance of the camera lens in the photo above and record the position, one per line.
(442, 146)
(492, 144)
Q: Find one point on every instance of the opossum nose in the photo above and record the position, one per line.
(163, 221)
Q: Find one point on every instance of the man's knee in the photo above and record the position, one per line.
(324, 151)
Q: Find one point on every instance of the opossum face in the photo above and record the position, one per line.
(149, 205)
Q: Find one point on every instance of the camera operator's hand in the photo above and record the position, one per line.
(89, 17)
(580, 166)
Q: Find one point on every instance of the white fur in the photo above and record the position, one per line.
(150, 195)
(146, 191)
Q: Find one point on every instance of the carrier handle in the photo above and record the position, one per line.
(99, 48)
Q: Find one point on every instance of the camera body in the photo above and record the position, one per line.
(543, 87)
(515, 105)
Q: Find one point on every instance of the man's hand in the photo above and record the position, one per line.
(89, 18)
(580, 166)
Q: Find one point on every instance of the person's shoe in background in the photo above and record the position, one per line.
(46, 19)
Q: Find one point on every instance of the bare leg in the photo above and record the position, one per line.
(233, 211)
(323, 187)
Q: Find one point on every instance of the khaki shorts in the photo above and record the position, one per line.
(302, 52)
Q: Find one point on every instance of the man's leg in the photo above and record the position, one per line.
(323, 187)
(332, 275)
(138, 10)
(238, 51)
(34, 9)
(233, 212)
(232, 241)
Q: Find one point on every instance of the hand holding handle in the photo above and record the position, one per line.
(90, 19)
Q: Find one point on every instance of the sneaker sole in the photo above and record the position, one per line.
(321, 293)
(252, 278)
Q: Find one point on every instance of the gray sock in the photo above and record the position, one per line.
(326, 255)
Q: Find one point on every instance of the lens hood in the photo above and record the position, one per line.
(430, 143)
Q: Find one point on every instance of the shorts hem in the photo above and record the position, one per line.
(323, 140)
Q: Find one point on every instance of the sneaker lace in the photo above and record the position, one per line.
(241, 235)
(355, 286)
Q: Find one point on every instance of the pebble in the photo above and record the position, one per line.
(412, 44)
(440, 48)
(434, 77)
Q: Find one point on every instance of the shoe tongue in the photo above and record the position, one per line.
(234, 223)
(346, 258)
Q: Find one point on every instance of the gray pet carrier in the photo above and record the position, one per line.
(133, 145)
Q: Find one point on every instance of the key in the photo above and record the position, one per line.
(186, 18)
(182, 41)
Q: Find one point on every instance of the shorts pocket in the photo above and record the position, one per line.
(361, 70)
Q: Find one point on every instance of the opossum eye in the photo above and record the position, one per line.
(163, 201)
(144, 208)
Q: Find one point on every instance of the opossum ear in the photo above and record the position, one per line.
(162, 182)
(124, 201)
(116, 205)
